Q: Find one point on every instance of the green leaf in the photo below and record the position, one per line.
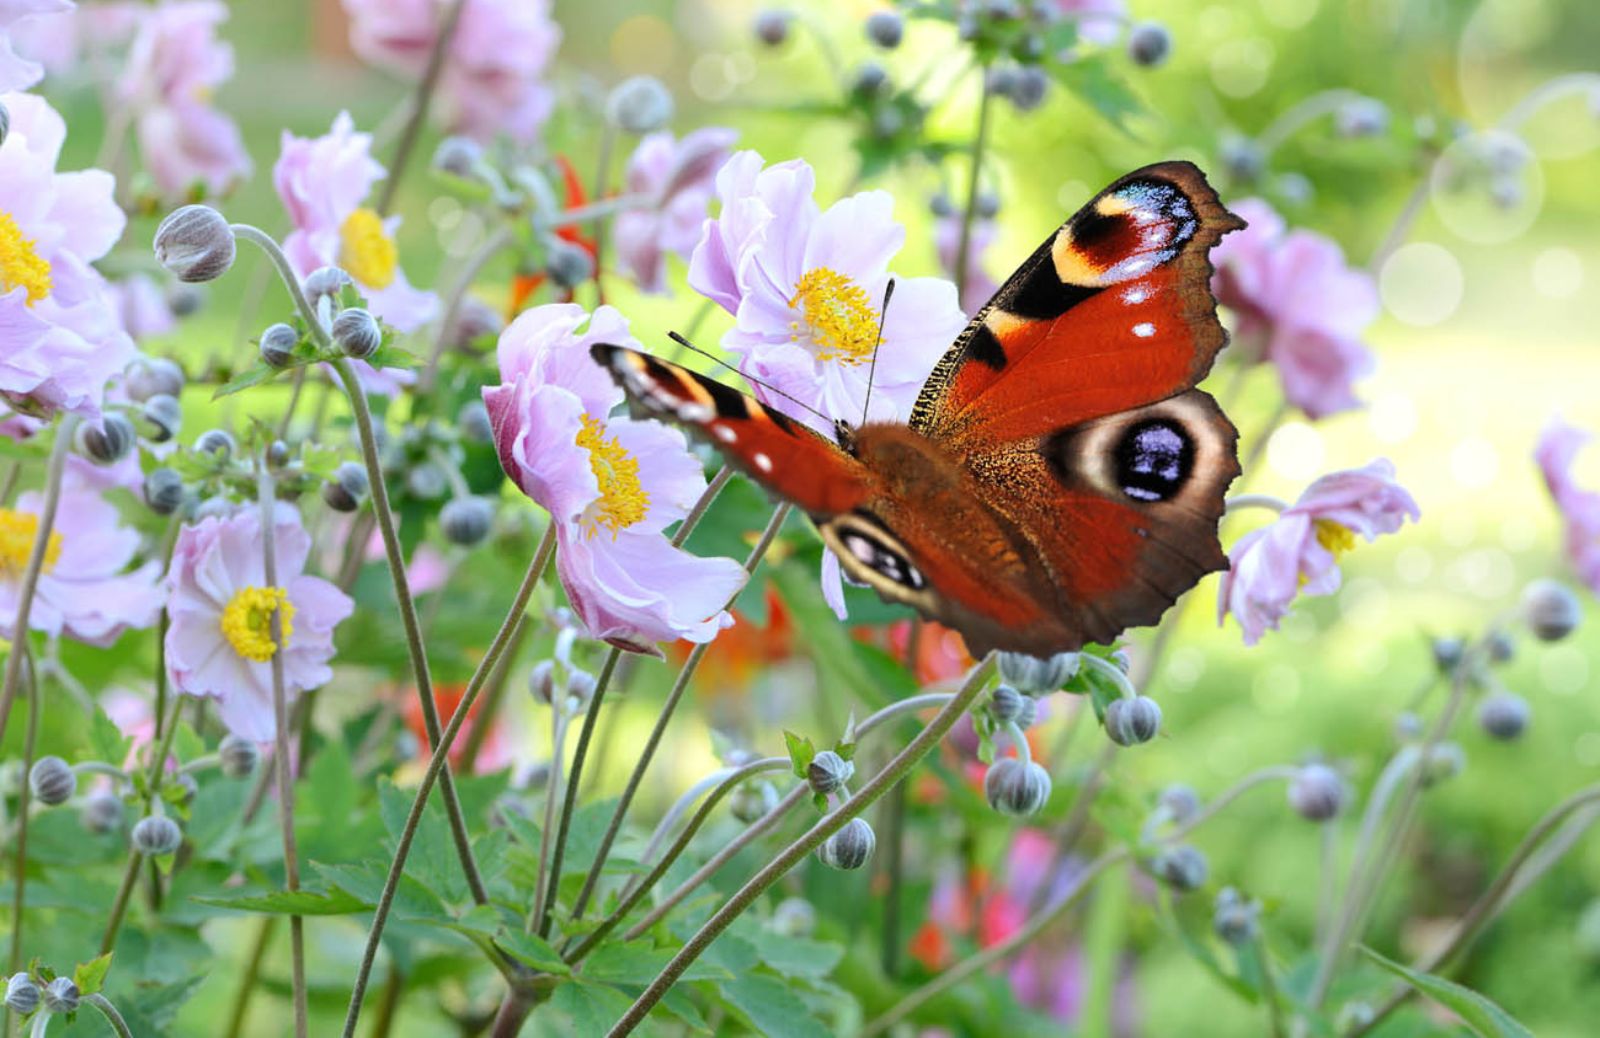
(636, 963)
(531, 950)
(1483, 1016)
(387, 356)
(591, 1008)
(253, 376)
(798, 957)
(772, 1009)
(106, 741)
(1093, 80)
(89, 976)
(676, 1001)
(801, 752)
(282, 902)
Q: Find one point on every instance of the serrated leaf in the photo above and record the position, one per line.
(388, 356)
(1477, 1011)
(252, 376)
(106, 741)
(799, 957)
(801, 752)
(772, 1009)
(636, 963)
(89, 976)
(532, 951)
(283, 902)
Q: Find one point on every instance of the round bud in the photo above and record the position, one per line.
(152, 376)
(238, 756)
(1550, 610)
(1001, 80)
(1149, 44)
(941, 205)
(772, 27)
(347, 489)
(1361, 117)
(794, 917)
(1033, 84)
(1029, 714)
(109, 440)
(1033, 674)
(1294, 188)
(828, 772)
(1316, 793)
(1447, 653)
(427, 481)
(356, 333)
(1503, 715)
(458, 156)
(1133, 721)
(218, 443)
(870, 79)
(277, 454)
(475, 320)
(325, 283)
(580, 688)
(1446, 761)
(22, 994)
(886, 122)
(102, 812)
(752, 800)
(1005, 704)
(1016, 788)
(1500, 646)
(52, 781)
(566, 263)
(61, 996)
(1243, 158)
(186, 782)
(1121, 660)
(1182, 868)
(162, 416)
(1407, 726)
(640, 104)
(986, 207)
(155, 835)
(466, 520)
(277, 345)
(195, 243)
(886, 29)
(184, 300)
(850, 847)
(473, 421)
(542, 680)
(1180, 802)
(1235, 918)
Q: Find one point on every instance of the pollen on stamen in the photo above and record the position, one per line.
(838, 317)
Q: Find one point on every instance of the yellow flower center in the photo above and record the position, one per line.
(247, 621)
(1336, 538)
(366, 250)
(21, 266)
(623, 500)
(17, 533)
(837, 317)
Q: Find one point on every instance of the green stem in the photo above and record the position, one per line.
(602, 178)
(980, 141)
(252, 970)
(19, 878)
(109, 1011)
(419, 105)
(458, 296)
(552, 791)
(493, 696)
(130, 875)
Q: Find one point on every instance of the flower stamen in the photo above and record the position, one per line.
(1335, 537)
(366, 250)
(21, 266)
(837, 317)
(247, 621)
(623, 500)
(17, 533)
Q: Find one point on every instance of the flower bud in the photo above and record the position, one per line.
(1407, 726)
(52, 781)
(1005, 704)
(475, 320)
(1034, 674)
(277, 454)
(347, 489)
(1133, 721)
(152, 376)
(886, 122)
(238, 756)
(195, 243)
(828, 772)
(458, 156)
(1361, 117)
(1180, 802)
(1029, 714)
(1033, 84)
(772, 27)
(473, 421)
(184, 300)
(187, 782)
(567, 264)
(580, 688)
(22, 994)
(325, 283)
(542, 680)
(640, 104)
(941, 205)
(61, 996)
(1500, 646)
(1503, 715)
(752, 800)
(1016, 788)
(102, 812)
(356, 333)
(1316, 793)
(155, 835)
(1243, 158)
(794, 917)
(1446, 761)
(277, 345)
(1149, 44)
(1447, 653)
(466, 520)
(218, 443)
(886, 29)
(427, 481)
(986, 207)
(1550, 610)
(850, 847)
(162, 416)
(108, 441)
(1182, 868)
(1235, 918)
(1001, 80)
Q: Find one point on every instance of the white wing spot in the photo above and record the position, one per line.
(724, 433)
(1136, 295)
(1144, 329)
(762, 462)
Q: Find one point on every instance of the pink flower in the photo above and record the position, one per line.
(63, 338)
(1559, 446)
(175, 64)
(17, 72)
(1298, 553)
(491, 81)
(85, 589)
(980, 287)
(1299, 306)
(61, 43)
(142, 307)
(1098, 21)
(677, 177)
(610, 484)
(219, 643)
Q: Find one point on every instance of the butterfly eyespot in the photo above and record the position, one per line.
(882, 559)
(1153, 460)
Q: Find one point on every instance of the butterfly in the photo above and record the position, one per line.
(1060, 478)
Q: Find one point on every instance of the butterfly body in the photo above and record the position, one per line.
(1060, 478)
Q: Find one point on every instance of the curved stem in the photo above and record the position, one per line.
(419, 104)
(109, 1011)
(1241, 502)
(291, 281)
(1546, 92)
(792, 855)
(1298, 116)
(1110, 671)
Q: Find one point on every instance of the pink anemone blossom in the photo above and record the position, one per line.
(1298, 553)
(1556, 453)
(492, 80)
(61, 44)
(221, 606)
(611, 484)
(63, 337)
(1299, 307)
(677, 177)
(142, 307)
(16, 71)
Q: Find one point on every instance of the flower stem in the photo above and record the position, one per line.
(109, 1011)
(792, 855)
(130, 875)
(19, 876)
(252, 970)
(457, 297)
(419, 105)
(494, 695)
(30, 576)
(267, 498)
(980, 141)
(1240, 502)
(1305, 113)
(438, 770)
(552, 790)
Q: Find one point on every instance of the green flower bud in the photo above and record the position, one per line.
(107, 441)
(1149, 44)
(238, 757)
(1550, 610)
(466, 520)
(828, 772)
(794, 917)
(22, 994)
(850, 847)
(150, 376)
(162, 416)
(277, 345)
(640, 104)
(1183, 868)
(1130, 722)
(155, 835)
(61, 996)
(1317, 793)
(52, 781)
(1503, 715)
(1036, 675)
(102, 812)
(218, 443)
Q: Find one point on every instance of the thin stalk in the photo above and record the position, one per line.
(1078, 816)
(436, 771)
(1269, 991)
(30, 576)
(894, 872)
(419, 105)
(552, 792)
(796, 852)
(296, 389)
(602, 179)
(130, 875)
(394, 987)
(19, 878)
(1303, 114)
(252, 970)
(980, 141)
(109, 1011)
(494, 695)
(457, 296)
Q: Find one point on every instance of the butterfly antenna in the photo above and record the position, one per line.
(883, 315)
(681, 341)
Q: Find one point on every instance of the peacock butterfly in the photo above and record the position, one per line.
(1061, 478)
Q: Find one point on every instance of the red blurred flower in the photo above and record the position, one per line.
(493, 754)
(524, 285)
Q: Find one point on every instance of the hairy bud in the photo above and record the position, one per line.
(772, 27)
(61, 996)
(886, 29)
(163, 491)
(1016, 788)
(238, 757)
(1034, 674)
(162, 416)
(153, 376)
(277, 345)
(567, 264)
(850, 847)
(155, 835)
(1550, 610)
(102, 812)
(356, 333)
(106, 442)
(1133, 721)
(348, 487)
(640, 104)
(794, 917)
(828, 772)
(1503, 715)
(1236, 918)
(466, 520)
(22, 994)
(195, 243)
(1317, 793)
(473, 421)
(1149, 44)
(52, 781)
(1182, 868)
